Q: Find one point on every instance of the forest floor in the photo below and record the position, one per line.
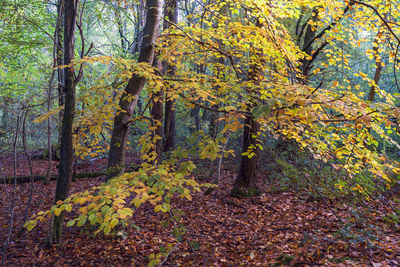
(260, 231)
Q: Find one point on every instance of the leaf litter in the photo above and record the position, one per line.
(273, 229)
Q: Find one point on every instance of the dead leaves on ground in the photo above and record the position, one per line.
(272, 229)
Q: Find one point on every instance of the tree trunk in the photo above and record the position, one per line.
(60, 74)
(157, 115)
(246, 181)
(130, 96)
(195, 113)
(308, 36)
(66, 153)
(171, 12)
(378, 69)
(169, 125)
(50, 94)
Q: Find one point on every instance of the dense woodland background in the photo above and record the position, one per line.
(197, 132)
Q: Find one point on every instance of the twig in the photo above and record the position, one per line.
(169, 253)
(11, 219)
(394, 67)
(380, 17)
(330, 26)
(49, 94)
(220, 160)
(177, 223)
(30, 172)
(234, 64)
(312, 184)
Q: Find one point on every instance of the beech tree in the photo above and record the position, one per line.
(130, 96)
(66, 149)
(171, 17)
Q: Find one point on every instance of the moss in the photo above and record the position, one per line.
(245, 192)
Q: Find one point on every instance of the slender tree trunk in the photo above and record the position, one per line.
(121, 29)
(246, 181)
(60, 73)
(171, 12)
(4, 119)
(308, 36)
(28, 157)
(49, 148)
(8, 237)
(195, 113)
(157, 115)
(169, 125)
(66, 151)
(130, 96)
(49, 96)
(378, 69)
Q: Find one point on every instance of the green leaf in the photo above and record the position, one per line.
(166, 206)
(68, 207)
(113, 222)
(92, 218)
(81, 222)
(195, 245)
(261, 111)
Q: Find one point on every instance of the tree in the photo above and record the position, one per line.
(130, 96)
(246, 181)
(157, 114)
(66, 149)
(171, 15)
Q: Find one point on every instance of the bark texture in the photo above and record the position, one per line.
(130, 96)
(66, 152)
(246, 181)
(171, 13)
(157, 115)
(378, 69)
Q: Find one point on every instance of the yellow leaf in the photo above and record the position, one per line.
(57, 211)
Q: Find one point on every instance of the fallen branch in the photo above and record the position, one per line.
(36, 178)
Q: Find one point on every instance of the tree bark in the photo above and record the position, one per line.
(246, 181)
(130, 96)
(308, 36)
(157, 115)
(171, 12)
(49, 96)
(66, 150)
(60, 73)
(378, 69)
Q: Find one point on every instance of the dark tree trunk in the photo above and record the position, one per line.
(157, 115)
(378, 69)
(130, 96)
(60, 73)
(171, 12)
(195, 113)
(308, 36)
(246, 181)
(66, 153)
(50, 93)
(4, 119)
(213, 128)
(169, 125)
